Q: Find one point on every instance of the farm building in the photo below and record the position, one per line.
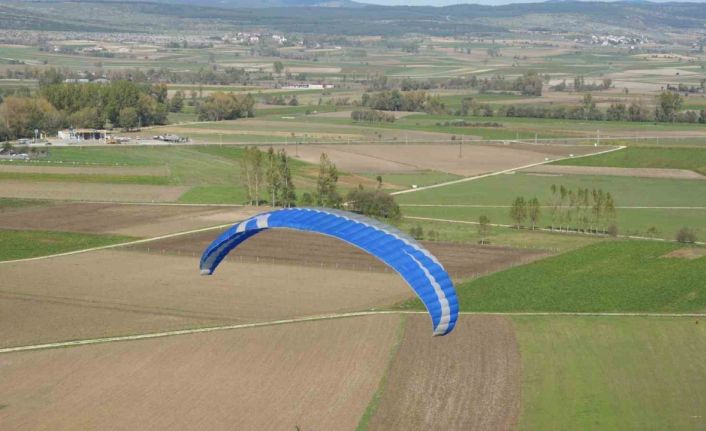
(82, 134)
(307, 86)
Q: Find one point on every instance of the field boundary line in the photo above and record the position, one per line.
(544, 206)
(121, 244)
(505, 171)
(543, 229)
(319, 317)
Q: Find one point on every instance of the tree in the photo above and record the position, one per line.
(288, 195)
(128, 118)
(272, 175)
(176, 104)
(533, 211)
(373, 203)
(668, 105)
(518, 211)
(88, 118)
(417, 232)
(483, 228)
(21, 116)
(278, 67)
(326, 184)
(251, 172)
(226, 106)
(686, 235)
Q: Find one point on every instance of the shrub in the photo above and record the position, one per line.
(686, 235)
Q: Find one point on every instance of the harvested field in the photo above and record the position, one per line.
(150, 292)
(309, 249)
(90, 191)
(131, 220)
(476, 159)
(468, 380)
(680, 174)
(87, 170)
(317, 375)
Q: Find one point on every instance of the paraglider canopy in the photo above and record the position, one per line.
(420, 269)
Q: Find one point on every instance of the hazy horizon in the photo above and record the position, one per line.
(486, 2)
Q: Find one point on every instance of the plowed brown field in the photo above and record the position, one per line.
(89, 191)
(476, 158)
(133, 220)
(302, 248)
(467, 380)
(106, 293)
(315, 375)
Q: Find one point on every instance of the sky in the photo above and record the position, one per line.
(452, 2)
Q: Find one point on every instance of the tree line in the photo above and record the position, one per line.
(667, 108)
(579, 210)
(226, 106)
(395, 100)
(270, 174)
(372, 116)
(55, 106)
(529, 84)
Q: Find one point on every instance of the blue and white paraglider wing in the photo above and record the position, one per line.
(420, 269)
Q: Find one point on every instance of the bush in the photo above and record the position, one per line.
(613, 230)
(686, 235)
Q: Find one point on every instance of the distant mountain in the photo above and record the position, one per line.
(260, 4)
(346, 17)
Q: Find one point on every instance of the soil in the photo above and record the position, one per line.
(90, 191)
(130, 220)
(475, 159)
(113, 292)
(315, 375)
(292, 247)
(467, 380)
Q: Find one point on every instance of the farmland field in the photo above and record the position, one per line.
(612, 373)
(611, 276)
(661, 206)
(580, 309)
(16, 244)
(648, 157)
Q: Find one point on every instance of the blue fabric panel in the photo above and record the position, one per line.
(423, 272)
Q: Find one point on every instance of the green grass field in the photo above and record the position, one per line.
(16, 244)
(554, 242)
(609, 276)
(11, 203)
(81, 178)
(406, 180)
(693, 159)
(612, 373)
(499, 191)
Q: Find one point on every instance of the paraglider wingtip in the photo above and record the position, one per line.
(205, 272)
